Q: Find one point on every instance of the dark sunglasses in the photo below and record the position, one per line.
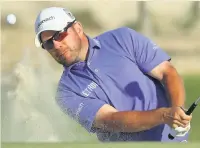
(58, 36)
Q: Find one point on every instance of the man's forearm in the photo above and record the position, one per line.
(133, 121)
(175, 88)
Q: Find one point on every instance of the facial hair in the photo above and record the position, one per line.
(61, 59)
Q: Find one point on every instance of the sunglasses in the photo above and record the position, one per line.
(58, 36)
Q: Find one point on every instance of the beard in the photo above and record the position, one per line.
(61, 59)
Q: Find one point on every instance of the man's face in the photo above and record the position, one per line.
(67, 45)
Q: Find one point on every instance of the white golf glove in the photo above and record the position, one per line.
(180, 131)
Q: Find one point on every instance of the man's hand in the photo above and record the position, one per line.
(180, 131)
(176, 117)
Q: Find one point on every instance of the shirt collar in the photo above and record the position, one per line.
(93, 44)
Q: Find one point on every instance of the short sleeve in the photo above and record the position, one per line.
(145, 52)
(81, 109)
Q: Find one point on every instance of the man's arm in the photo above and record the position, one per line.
(166, 73)
(109, 119)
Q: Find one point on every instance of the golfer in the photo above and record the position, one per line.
(119, 84)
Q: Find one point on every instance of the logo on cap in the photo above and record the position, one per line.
(45, 20)
(68, 13)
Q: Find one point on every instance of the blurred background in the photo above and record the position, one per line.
(29, 75)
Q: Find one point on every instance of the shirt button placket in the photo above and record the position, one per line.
(96, 70)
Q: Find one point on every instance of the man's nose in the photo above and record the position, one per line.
(57, 44)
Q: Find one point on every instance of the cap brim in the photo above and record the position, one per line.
(37, 42)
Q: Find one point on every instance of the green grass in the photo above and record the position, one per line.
(97, 145)
(192, 85)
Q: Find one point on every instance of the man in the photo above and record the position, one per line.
(116, 84)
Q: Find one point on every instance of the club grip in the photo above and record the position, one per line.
(190, 110)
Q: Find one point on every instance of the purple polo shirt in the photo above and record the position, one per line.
(115, 73)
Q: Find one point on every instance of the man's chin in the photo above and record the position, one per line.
(64, 63)
(67, 63)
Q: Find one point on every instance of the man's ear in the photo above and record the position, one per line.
(78, 28)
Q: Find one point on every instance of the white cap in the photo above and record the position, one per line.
(53, 18)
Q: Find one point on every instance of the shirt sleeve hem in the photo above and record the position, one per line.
(89, 128)
(152, 65)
